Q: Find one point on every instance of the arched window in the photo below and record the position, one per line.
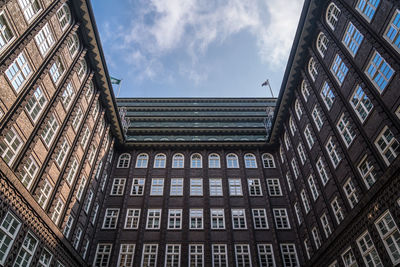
(292, 126)
(124, 160)
(268, 160)
(73, 44)
(250, 161)
(196, 161)
(332, 15)
(297, 107)
(282, 154)
(304, 90)
(64, 16)
(312, 69)
(82, 70)
(159, 161)
(178, 161)
(213, 161)
(232, 161)
(322, 44)
(142, 160)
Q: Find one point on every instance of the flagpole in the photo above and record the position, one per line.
(119, 88)
(270, 88)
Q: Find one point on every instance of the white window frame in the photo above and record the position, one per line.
(281, 219)
(387, 146)
(111, 216)
(260, 220)
(142, 160)
(215, 187)
(132, 218)
(196, 186)
(174, 219)
(153, 219)
(387, 228)
(149, 255)
(217, 219)
(239, 219)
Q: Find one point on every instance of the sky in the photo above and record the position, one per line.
(197, 48)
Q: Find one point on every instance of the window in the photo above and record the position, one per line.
(305, 201)
(312, 69)
(332, 15)
(92, 154)
(36, 103)
(67, 95)
(322, 44)
(110, 218)
(196, 186)
(219, 255)
(44, 39)
(351, 193)
(352, 39)
(149, 255)
(195, 161)
(289, 255)
(361, 103)
(103, 182)
(77, 238)
(332, 151)
(126, 254)
(88, 94)
(297, 107)
(57, 211)
(157, 187)
(305, 90)
(298, 213)
(265, 255)
(254, 187)
(295, 168)
(213, 161)
(235, 187)
(73, 44)
(325, 225)
(367, 8)
(45, 258)
(26, 251)
(307, 247)
(196, 255)
(88, 202)
(392, 33)
(339, 69)
(43, 195)
(6, 34)
(142, 160)
(239, 219)
(390, 235)
(124, 160)
(64, 16)
(18, 72)
(348, 258)
(57, 69)
(10, 146)
(176, 187)
(327, 95)
(153, 219)
(137, 186)
(85, 137)
(317, 118)
(289, 181)
(316, 237)
(282, 155)
(217, 219)
(94, 211)
(159, 161)
(178, 161)
(82, 70)
(281, 219)
(287, 142)
(68, 226)
(302, 155)
(215, 187)
(274, 187)
(250, 161)
(173, 255)
(313, 187)
(260, 219)
(232, 161)
(367, 172)
(50, 130)
(309, 137)
(196, 218)
(268, 161)
(368, 250)
(81, 187)
(322, 171)
(8, 232)
(103, 255)
(118, 187)
(30, 8)
(379, 72)
(387, 145)
(28, 172)
(174, 219)
(346, 130)
(292, 126)
(242, 256)
(337, 210)
(78, 119)
(132, 219)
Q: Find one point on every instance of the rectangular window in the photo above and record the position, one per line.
(260, 219)
(10, 146)
(126, 254)
(217, 219)
(174, 219)
(302, 155)
(118, 187)
(153, 219)
(149, 255)
(316, 237)
(45, 258)
(28, 172)
(322, 171)
(72, 171)
(36, 104)
(196, 255)
(367, 8)
(103, 254)
(361, 104)
(18, 72)
(81, 187)
(62, 153)
(289, 181)
(254, 187)
(85, 248)
(110, 218)
(367, 172)
(379, 72)
(317, 118)
(352, 39)
(368, 250)
(196, 218)
(137, 186)
(242, 256)
(44, 39)
(196, 186)
(235, 187)
(265, 255)
(78, 119)
(157, 187)
(88, 202)
(30, 8)
(26, 251)
(55, 217)
(348, 258)
(313, 187)
(173, 255)
(289, 255)
(309, 137)
(8, 232)
(307, 247)
(387, 145)
(274, 187)
(346, 130)
(176, 187)
(325, 225)
(49, 130)
(390, 235)
(77, 238)
(327, 95)
(132, 219)
(332, 151)
(6, 34)
(239, 219)
(392, 33)
(339, 69)
(351, 192)
(94, 213)
(92, 154)
(44, 193)
(85, 137)
(305, 201)
(298, 213)
(219, 255)
(67, 95)
(68, 226)
(215, 187)
(57, 69)
(281, 219)
(337, 210)
(296, 171)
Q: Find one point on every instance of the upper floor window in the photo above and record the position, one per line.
(142, 160)
(392, 33)
(379, 72)
(73, 44)
(317, 118)
(6, 34)
(322, 43)
(367, 8)
(305, 90)
(250, 161)
(213, 161)
(30, 8)
(49, 130)
(62, 153)
(57, 69)
(367, 171)
(309, 137)
(67, 95)
(352, 39)
(124, 160)
(159, 161)
(44, 39)
(297, 107)
(292, 126)
(28, 172)
(36, 103)
(339, 69)
(361, 104)
(334, 155)
(268, 160)
(18, 72)
(346, 130)
(232, 161)
(327, 95)
(351, 192)
(332, 15)
(337, 210)
(9, 229)
(389, 233)
(349, 259)
(196, 161)
(82, 69)
(10, 146)
(387, 145)
(289, 254)
(178, 161)
(312, 69)
(64, 16)
(368, 251)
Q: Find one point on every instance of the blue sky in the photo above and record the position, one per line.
(197, 48)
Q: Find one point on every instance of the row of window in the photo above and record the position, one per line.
(196, 187)
(219, 255)
(196, 219)
(196, 161)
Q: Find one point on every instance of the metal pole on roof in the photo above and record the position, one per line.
(266, 83)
